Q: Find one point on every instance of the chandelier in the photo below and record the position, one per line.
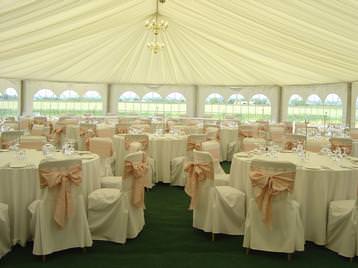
(156, 26)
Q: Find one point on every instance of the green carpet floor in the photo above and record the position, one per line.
(168, 240)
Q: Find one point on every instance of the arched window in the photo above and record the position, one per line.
(69, 103)
(91, 103)
(45, 102)
(9, 102)
(214, 104)
(175, 104)
(152, 102)
(129, 102)
(259, 108)
(314, 110)
(333, 109)
(236, 104)
(296, 108)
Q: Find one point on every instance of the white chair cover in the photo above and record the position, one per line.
(59, 219)
(32, 142)
(5, 242)
(273, 221)
(10, 137)
(103, 147)
(116, 215)
(216, 209)
(177, 165)
(213, 148)
(342, 229)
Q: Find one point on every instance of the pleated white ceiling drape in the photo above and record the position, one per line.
(211, 42)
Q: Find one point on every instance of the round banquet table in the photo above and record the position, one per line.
(227, 135)
(319, 180)
(161, 148)
(20, 185)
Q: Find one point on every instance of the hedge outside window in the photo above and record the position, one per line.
(238, 106)
(45, 102)
(175, 104)
(9, 103)
(214, 104)
(259, 108)
(151, 103)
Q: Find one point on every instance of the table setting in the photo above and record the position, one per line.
(320, 178)
(19, 181)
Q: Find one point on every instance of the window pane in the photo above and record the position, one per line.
(9, 103)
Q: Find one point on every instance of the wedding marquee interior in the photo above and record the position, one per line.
(198, 64)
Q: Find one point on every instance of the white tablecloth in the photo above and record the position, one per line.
(314, 187)
(355, 148)
(20, 186)
(227, 135)
(161, 148)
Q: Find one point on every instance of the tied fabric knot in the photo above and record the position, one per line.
(63, 179)
(86, 135)
(246, 134)
(58, 131)
(192, 145)
(289, 145)
(139, 172)
(122, 130)
(197, 172)
(128, 141)
(269, 185)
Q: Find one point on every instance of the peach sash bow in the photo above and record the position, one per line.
(246, 134)
(52, 178)
(197, 172)
(267, 186)
(347, 147)
(58, 131)
(129, 140)
(122, 130)
(86, 135)
(139, 172)
(191, 145)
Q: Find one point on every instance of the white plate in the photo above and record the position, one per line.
(17, 165)
(312, 167)
(87, 156)
(242, 154)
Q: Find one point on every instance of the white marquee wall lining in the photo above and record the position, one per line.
(195, 95)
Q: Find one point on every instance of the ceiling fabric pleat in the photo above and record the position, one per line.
(208, 42)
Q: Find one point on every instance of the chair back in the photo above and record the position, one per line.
(194, 141)
(39, 120)
(101, 146)
(105, 132)
(32, 142)
(61, 178)
(135, 177)
(212, 133)
(269, 180)
(10, 137)
(248, 131)
(122, 127)
(136, 142)
(13, 125)
(200, 177)
(342, 143)
(354, 133)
